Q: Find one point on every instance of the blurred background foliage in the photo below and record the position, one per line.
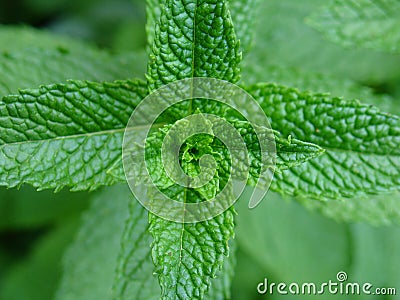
(281, 239)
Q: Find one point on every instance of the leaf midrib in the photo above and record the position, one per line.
(87, 134)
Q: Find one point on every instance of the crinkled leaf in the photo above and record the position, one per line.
(169, 236)
(289, 153)
(242, 13)
(135, 277)
(187, 256)
(362, 144)
(134, 274)
(193, 39)
(65, 134)
(367, 23)
(376, 210)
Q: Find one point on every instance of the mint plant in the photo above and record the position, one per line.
(56, 134)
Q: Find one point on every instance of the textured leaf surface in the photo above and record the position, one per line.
(185, 253)
(290, 152)
(193, 39)
(367, 23)
(242, 13)
(188, 255)
(65, 134)
(362, 143)
(90, 261)
(135, 277)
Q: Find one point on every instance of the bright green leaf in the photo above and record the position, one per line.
(362, 144)
(65, 134)
(242, 13)
(134, 275)
(192, 39)
(204, 43)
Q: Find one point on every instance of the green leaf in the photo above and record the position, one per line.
(204, 43)
(187, 256)
(289, 153)
(192, 39)
(65, 134)
(134, 275)
(90, 261)
(221, 286)
(242, 13)
(362, 144)
(366, 23)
